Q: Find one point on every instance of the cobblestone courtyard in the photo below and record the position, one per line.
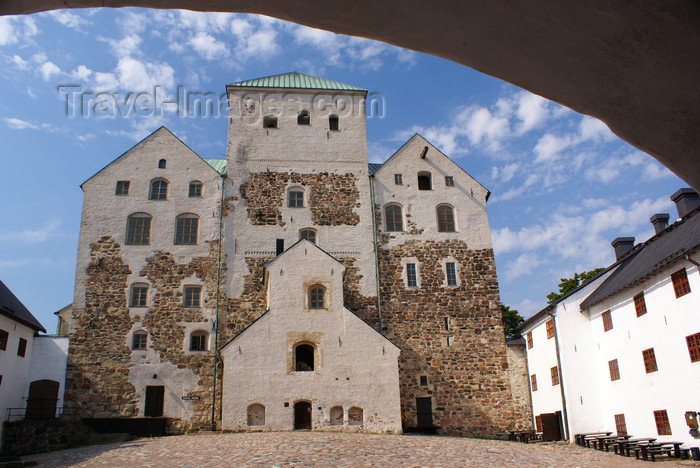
(329, 449)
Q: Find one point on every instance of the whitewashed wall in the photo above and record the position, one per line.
(49, 359)
(13, 368)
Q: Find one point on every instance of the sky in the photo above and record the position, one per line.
(80, 87)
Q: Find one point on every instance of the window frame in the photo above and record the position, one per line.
(554, 374)
(614, 369)
(160, 193)
(390, 219)
(195, 189)
(528, 339)
(313, 356)
(411, 275)
(620, 425)
(445, 218)
(162, 164)
(184, 225)
(4, 338)
(313, 297)
(398, 179)
(681, 286)
(333, 123)
(549, 325)
(188, 296)
(139, 341)
(22, 347)
(142, 299)
(311, 239)
(304, 117)
(422, 176)
(649, 357)
(449, 181)
(640, 305)
(122, 188)
(140, 232)
(693, 342)
(607, 320)
(451, 274)
(663, 425)
(533, 382)
(199, 341)
(295, 190)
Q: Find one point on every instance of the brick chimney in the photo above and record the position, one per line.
(686, 200)
(660, 221)
(622, 245)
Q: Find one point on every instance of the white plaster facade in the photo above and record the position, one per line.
(354, 365)
(14, 368)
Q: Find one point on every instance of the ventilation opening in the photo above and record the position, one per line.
(161, 164)
(333, 122)
(304, 358)
(279, 246)
(424, 181)
(270, 122)
(304, 118)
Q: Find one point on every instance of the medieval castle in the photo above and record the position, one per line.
(292, 285)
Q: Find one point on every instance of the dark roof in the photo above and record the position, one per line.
(673, 243)
(13, 308)
(373, 167)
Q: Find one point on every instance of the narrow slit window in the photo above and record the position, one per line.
(333, 123)
(529, 340)
(411, 277)
(398, 179)
(4, 335)
(451, 274)
(554, 371)
(533, 382)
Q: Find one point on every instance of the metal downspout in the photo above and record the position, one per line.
(216, 319)
(376, 253)
(561, 378)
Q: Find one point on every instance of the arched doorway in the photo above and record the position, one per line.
(302, 415)
(42, 399)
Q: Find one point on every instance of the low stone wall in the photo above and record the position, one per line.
(35, 436)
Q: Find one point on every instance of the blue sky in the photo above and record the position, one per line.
(562, 185)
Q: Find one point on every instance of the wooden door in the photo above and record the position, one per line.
(550, 426)
(154, 400)
(424, 410)
(302, 415)
(42, 399)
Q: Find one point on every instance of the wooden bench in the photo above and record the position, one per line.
(625, 446)
(580, 438)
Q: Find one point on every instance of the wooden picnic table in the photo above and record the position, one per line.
(580, 438)
(593, 437)
(606, 442)
(624, 446)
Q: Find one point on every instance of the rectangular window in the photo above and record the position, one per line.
(555, 375)
(122, 187)
(3, 339)
(186, 231)
(138, 231)
(424, 380)
(680, 283)
(550, 328)
(693, 347)
(620, 425)
(640, 306)
(663, 426)
(614, 370)
(533, 382)
(139, 341)
(449, 181)
(22, 347)
(538, 423)
(529, 340)
(411, 278)
(607, 321)
(451, 274)
(191, 296)
(649, 360)
(296, 199)
(139, 296)
(195, 189)
(198, 342)
(398, 179)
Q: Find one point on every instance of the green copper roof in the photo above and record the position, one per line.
(219, 165)
(295, 80)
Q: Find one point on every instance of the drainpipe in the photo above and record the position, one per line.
(376, 253)
(216, 320)
(561, 377)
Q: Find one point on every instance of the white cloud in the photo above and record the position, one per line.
(521, 266)
(482, 125)
(18, 124)
(7, 31)
(14, 29)
(208, 47)
(550, 146)
(81, 73)
(48, 69)
(20, 62)
(127, 46)
(533, 111)
(32, 236)
(68, 19)
(594, 129)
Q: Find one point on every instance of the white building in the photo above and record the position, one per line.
(622, 352)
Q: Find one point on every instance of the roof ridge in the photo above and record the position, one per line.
(295, 80)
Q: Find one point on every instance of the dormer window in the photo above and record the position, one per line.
(270, 121)
(333, 122)
(304, 118)
(161, 164)
(424, 182)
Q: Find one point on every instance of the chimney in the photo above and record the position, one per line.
(660, 222)
(622, 245)
(686, 200)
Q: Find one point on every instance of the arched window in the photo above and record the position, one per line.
(317, 297)
(256, 415)
(139, 340)
(186, 229)
(295, 198)
(195, 189)
(304, 118)
(424, 181)
(336, 416)
(161, 164)
(355, 416)
(304, 357)
(138, 229)
(308, 234)
(139, 295)
(159, 190)
(394, 221)
(198, 340)
(446, 218)
(333, 122)
(269, 121)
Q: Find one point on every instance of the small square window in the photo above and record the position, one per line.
(449, 181)
(195, 189)
(451, 274)
(640, 305)
(139, 296)
(607, 321)
(198, 342)
(3, 340)
(398, 179)
(296, 199)
(22, 347)
(649, 360)
(191, 296)
(411, 277)
(122, 187)
(680, 283)
(663, 426)
(620, 425)
(529, 340)
(550, 328)
(139, 341)
(614, 370)
(555, 375)
(693, 342)
(533, 382)
(424, 380)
